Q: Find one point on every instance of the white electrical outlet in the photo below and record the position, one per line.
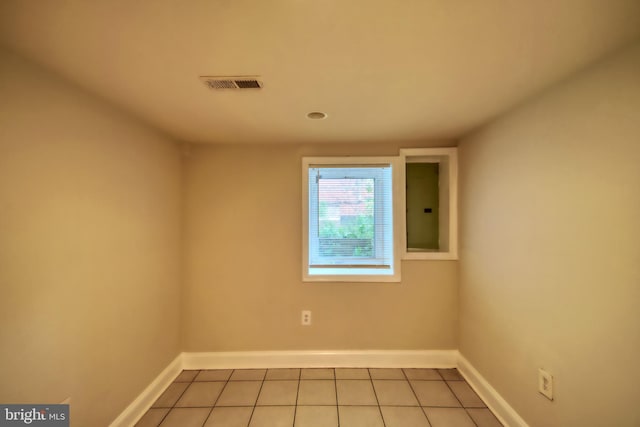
(545, 383)
(306, 317)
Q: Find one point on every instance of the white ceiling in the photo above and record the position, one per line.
(410, 70)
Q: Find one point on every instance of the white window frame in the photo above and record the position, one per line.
(447, 158)
(357, 274)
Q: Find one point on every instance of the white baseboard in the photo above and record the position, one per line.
(143, 402)
(320, 359)
(500, 408)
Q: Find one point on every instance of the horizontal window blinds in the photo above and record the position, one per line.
(350, 217)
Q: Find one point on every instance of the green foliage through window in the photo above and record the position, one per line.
(346, 217)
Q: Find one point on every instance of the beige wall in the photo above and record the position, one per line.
(243, 287)
(89, 248)
(550, 256)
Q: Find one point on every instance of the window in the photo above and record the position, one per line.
(348, 219)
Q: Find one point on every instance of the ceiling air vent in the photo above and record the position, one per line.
(244, 82)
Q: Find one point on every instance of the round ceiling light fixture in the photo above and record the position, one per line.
(317, 115)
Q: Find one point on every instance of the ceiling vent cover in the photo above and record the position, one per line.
(225, 82)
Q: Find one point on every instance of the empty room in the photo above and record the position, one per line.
(292, 213)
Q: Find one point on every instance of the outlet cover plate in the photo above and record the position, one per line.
(545, 384)
(306, 318)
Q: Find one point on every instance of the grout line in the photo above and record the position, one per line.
(217, 398)
(335, 386)
(183, 391)
(174, 404)
(255, 404)
(416, 396)
(295, 408)
(460, 401)
(377, 401)
(163, 418)
(469, 415)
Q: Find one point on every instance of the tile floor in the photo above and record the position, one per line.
(325, 397)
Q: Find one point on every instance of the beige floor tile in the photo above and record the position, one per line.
(214, 375)
(395, 393)
(282, 392)
(239, 393)
(327, 397)
(360, 416)
(355, 392)
(386, 374)
(448, 417)
(230, 417)
(272, 416)
(283, 374)
(186, 376)
(186, 417)
(450, 374)
(422, 374)
(466, 395)
(170, 395)
(200, 394)
(352, 374)
(434, 393)
(483, 417)
(316, 416)
(317, 374)
(404, 416)
(317, 392)
(152, 418)
(248, 374)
